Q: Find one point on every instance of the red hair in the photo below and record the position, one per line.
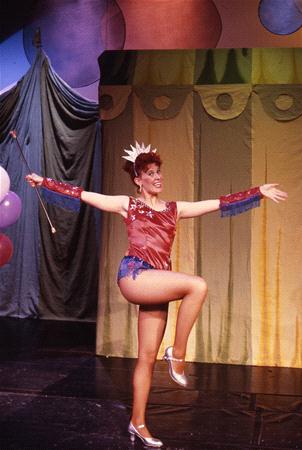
(141, 164)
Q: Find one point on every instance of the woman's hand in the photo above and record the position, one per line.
(271, 191)
(34, 180)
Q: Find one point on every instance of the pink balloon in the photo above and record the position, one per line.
(6, 249)
(4, 183)
(10, 209)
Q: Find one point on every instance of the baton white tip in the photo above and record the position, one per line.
(53, 230)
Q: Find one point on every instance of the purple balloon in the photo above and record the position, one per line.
(10, 209)
(4, 183)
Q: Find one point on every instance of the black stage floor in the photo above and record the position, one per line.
(56, 394)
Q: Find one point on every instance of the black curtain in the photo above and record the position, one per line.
(21, 110)
(65, 284)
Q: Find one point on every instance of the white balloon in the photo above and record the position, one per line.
(4, 183)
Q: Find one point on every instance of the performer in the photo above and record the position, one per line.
(145, 276)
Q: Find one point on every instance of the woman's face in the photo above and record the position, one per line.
(151, 179)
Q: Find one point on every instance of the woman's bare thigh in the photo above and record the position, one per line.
(157, 286)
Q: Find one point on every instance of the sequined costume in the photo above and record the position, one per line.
(239, 202)
(150, 237)
(132, 266)
(150, 232)
(64, 195)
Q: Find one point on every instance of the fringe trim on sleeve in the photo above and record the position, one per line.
(61, 200)
(238, 207)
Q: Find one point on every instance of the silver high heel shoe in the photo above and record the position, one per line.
(179, 378)
(148, 441)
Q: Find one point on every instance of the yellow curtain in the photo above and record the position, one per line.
(174, 139)
(223, 329)
(164, 67)
(188, 67)
(116, 328)
(215, 140)
(276, 65)
(116, 325)
(276, 232)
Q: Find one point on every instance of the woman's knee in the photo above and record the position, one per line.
(147, 357)
(200, 287)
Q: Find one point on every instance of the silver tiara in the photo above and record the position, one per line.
(137, 150)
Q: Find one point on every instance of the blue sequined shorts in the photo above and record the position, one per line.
(132, 266)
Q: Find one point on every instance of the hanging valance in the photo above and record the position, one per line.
(162, 102)
(113, 101)
(281, 102)
(224, 102)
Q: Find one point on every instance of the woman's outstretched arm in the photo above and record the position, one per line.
(231, 204)
(110, 203)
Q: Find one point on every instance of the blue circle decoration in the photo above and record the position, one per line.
(280, 16)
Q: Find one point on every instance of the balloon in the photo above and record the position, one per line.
(10, 209)
(6, 249)
(4, 183)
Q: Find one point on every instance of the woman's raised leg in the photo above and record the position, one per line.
(158, 287)
(151, 327)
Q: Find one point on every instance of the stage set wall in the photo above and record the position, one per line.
(214, 139)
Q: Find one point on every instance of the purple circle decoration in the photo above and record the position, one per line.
(281, 16)
(74, 34)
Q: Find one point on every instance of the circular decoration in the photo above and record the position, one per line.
(281, 16)
(113, 100)
(224, 101)
(284, 102)
(163, 102)
(74, 34)
(284, 106)
(150, 97)
(106, 102)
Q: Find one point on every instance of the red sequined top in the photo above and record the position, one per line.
(151, 233)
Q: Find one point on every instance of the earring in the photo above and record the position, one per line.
(140, 189)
